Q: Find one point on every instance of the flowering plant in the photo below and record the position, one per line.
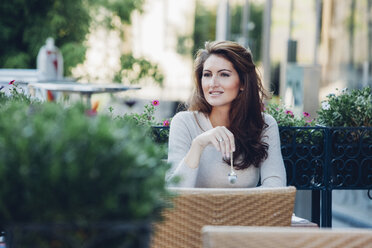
(147, 118)
(286, 117)
(349, 109)
(16, 93)
(159, 130)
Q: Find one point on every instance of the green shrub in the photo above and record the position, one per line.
(349, 109)
(286, 118)
(60, 165)
(159, 131)
(16, 94)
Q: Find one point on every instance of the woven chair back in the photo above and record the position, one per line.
(284, 237)
(195, 208)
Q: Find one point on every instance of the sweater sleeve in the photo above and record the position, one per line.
(180, 138)
(273, 172)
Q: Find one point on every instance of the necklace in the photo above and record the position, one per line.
(232, 175)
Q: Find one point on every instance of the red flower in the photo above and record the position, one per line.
(306, 114)
(93, 110)
(166, 123)
(288, 112)
(11, 82)
(155, 102)
(50, 96)
(95, 106)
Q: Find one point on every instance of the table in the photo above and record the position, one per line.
(86, 90)
(300, 222)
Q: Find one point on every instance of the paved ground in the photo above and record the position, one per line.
(339, 224)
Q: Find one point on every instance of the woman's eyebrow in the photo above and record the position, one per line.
(225, 70)
(206, 70)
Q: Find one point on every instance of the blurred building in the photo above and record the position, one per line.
(346, 44)
(334, 35)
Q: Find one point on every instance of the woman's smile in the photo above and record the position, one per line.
(215, 93)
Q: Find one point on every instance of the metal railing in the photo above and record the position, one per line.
(322, 159)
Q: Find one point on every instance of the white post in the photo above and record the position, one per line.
(291, 8)
(245, 23)
(317, 30)
(266, 44)
(222, 22)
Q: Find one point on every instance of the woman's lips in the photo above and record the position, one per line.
(215, 93)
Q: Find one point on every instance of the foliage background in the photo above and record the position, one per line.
(26, 24)
(205, 26)
(254, 35)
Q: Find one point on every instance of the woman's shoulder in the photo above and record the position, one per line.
(269, 120)
(184, 116)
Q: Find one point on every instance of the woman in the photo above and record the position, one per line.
(225, 118)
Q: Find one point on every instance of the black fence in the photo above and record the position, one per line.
(322, 159)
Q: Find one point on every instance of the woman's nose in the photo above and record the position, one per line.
(214, 80)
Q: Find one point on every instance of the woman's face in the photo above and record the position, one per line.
(220, 81)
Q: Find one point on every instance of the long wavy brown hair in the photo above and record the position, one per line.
(246, 119)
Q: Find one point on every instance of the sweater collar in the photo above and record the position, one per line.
(204, 121)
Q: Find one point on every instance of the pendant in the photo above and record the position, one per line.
(232, 175)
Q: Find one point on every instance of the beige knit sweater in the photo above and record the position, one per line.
(212, 172)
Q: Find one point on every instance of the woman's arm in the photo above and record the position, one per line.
(272, 169)
(184, 151)
(180, 151)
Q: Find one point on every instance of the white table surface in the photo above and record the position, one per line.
(83, 88)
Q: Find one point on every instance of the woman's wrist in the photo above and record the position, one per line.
(193, 156)
(197, 143)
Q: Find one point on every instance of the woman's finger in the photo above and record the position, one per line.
(230, 137)
(216, 143)
(225, 143)
(221, 141)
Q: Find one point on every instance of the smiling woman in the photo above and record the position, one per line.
(220, 82)
(225, 120)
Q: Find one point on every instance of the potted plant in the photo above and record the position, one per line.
(347, 109)
(72, 179)
(157, 130)
(348, 116)
(301, 145)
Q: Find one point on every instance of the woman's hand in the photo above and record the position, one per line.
(220, 137)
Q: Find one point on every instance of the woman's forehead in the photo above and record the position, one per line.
(217, 62)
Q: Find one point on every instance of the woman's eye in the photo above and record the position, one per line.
(206, 74)
(225, 75)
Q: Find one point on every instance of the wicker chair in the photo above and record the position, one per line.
(195, 208)
(280, 237)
